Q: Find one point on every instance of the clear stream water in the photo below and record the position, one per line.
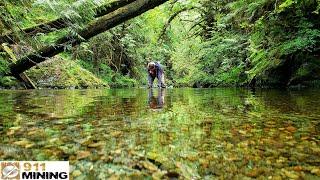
(173, 133)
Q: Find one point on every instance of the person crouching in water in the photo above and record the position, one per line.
(155, 71)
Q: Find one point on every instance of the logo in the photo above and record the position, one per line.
(10, 170)
(21, 170)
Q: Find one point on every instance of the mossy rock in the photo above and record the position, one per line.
(63, 73)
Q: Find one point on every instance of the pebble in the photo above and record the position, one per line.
(83, 154)
(22, 143)
(149, 166)
(291, 129)
(291, 174)
(76, 173)
(297, 168)
(315, 171)
(94, 145)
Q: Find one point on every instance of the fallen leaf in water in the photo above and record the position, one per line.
(83, 154)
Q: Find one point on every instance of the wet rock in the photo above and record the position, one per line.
(290, 174)
(204, 163)
(149, 166)
(255, 172)
(116, 133)
(172, 174)
(29, 145)
(76, 173)
(10, 132)
(158, 175)
(315, 171)
(83, 154)
(86, 141)
(72, 158)
(297, 168)
(291, 129)
(114, 177)
(53, 140)
(22, 143)
(191, 157)
(95, 145)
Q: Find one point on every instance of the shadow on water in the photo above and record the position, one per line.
(166, 133)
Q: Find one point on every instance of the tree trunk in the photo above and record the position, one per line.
(27, 82)
(96, 27)
(62, 23)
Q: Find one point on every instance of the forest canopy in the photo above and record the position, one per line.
(200, 43)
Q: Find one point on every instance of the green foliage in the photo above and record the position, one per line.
(3, 64)
(208, 43)
(5, 81)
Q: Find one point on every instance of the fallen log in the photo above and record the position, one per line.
(24, 78)
(61, 23)
(96, 27)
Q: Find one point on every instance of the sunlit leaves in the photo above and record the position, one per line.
(286, 4)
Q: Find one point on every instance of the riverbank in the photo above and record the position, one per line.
(61, 72)
(58, 73)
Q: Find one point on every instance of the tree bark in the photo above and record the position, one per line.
(27, 82)
(61, 23)
(96, 27)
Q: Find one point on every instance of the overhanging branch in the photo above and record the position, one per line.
(94, 28)
(61, 23)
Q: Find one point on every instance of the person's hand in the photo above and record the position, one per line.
(152, 72)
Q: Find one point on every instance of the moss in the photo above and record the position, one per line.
(63, 73)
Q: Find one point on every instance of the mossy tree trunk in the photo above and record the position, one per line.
(61, 23)
(94, 28)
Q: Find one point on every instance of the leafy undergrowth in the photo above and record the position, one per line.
(61, 73)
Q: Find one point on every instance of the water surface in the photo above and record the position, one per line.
(174, 133)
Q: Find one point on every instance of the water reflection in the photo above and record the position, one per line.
(156, 102)
(199, 133)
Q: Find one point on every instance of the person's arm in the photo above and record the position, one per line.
(150, 79)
